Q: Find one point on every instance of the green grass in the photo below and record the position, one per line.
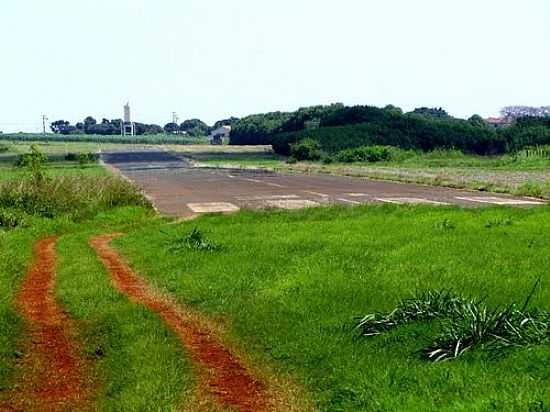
(456, 159)
(259, 160)
(56, 169)
(292, 285)
(141, 364)
(15, 252)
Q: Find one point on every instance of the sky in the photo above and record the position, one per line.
(212, 59)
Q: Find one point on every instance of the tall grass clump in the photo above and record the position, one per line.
(71, 196)
(75, 196)
(196, 240)
(465, 324)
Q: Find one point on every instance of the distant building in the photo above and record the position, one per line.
(217, 136)
(500, 122)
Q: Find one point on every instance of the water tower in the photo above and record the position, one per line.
(128, 127)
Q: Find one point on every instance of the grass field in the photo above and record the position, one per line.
(56, 151)
(285, 290)
(289, 285)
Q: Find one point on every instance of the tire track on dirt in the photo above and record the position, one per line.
(53, 374)
(225, 378)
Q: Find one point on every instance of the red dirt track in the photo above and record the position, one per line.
(52, 376)
(227, 381)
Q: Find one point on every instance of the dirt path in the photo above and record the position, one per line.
(225, 378)
(53, 370)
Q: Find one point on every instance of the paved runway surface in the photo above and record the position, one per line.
(178, 189)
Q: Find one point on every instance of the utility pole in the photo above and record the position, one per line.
(44, 120)
(175, 120)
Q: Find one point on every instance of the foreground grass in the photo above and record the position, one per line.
(140, 362)
(289, 286)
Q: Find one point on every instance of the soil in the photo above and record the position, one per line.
(223, 376)
(53, 369)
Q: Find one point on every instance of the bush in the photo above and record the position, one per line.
(82, 158)
(75, 196)
(4, 148)
(308, 149)
(366, 154)
(10, 219)
(33, 160)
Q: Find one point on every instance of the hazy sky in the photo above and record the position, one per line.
(216, 58)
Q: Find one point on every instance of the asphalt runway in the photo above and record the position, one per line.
(179, 189)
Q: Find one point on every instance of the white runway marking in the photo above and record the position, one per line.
(291, 204)
(356, 194)
(500, 201)
(410, 200)
(316, 193)
(213, 207)
(231, 176)
(261, 181)
(267, 197)
(353, 202)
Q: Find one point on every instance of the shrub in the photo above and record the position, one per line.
(33, 159)
(34, 162)
(75, 196)
(307, 149)
(4, 148)
(71, 157)
(328, 160)
(10, 218)
(82, 158)
(366, 154)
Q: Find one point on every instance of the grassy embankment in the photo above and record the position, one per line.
(287, 287)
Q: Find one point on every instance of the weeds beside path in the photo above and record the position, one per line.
(54, 373)
(224, 378)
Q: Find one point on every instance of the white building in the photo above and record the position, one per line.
(217, 136)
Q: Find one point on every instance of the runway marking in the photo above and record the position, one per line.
(353, 202)
(267, 197)
(356, 194)
(231, 176)
(410, 200)
(213, 207)
(500, 201)
(261, 181)
(316, 193)
(291, 204)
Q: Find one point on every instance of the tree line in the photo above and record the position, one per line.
(90, 126)
(337, 127)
